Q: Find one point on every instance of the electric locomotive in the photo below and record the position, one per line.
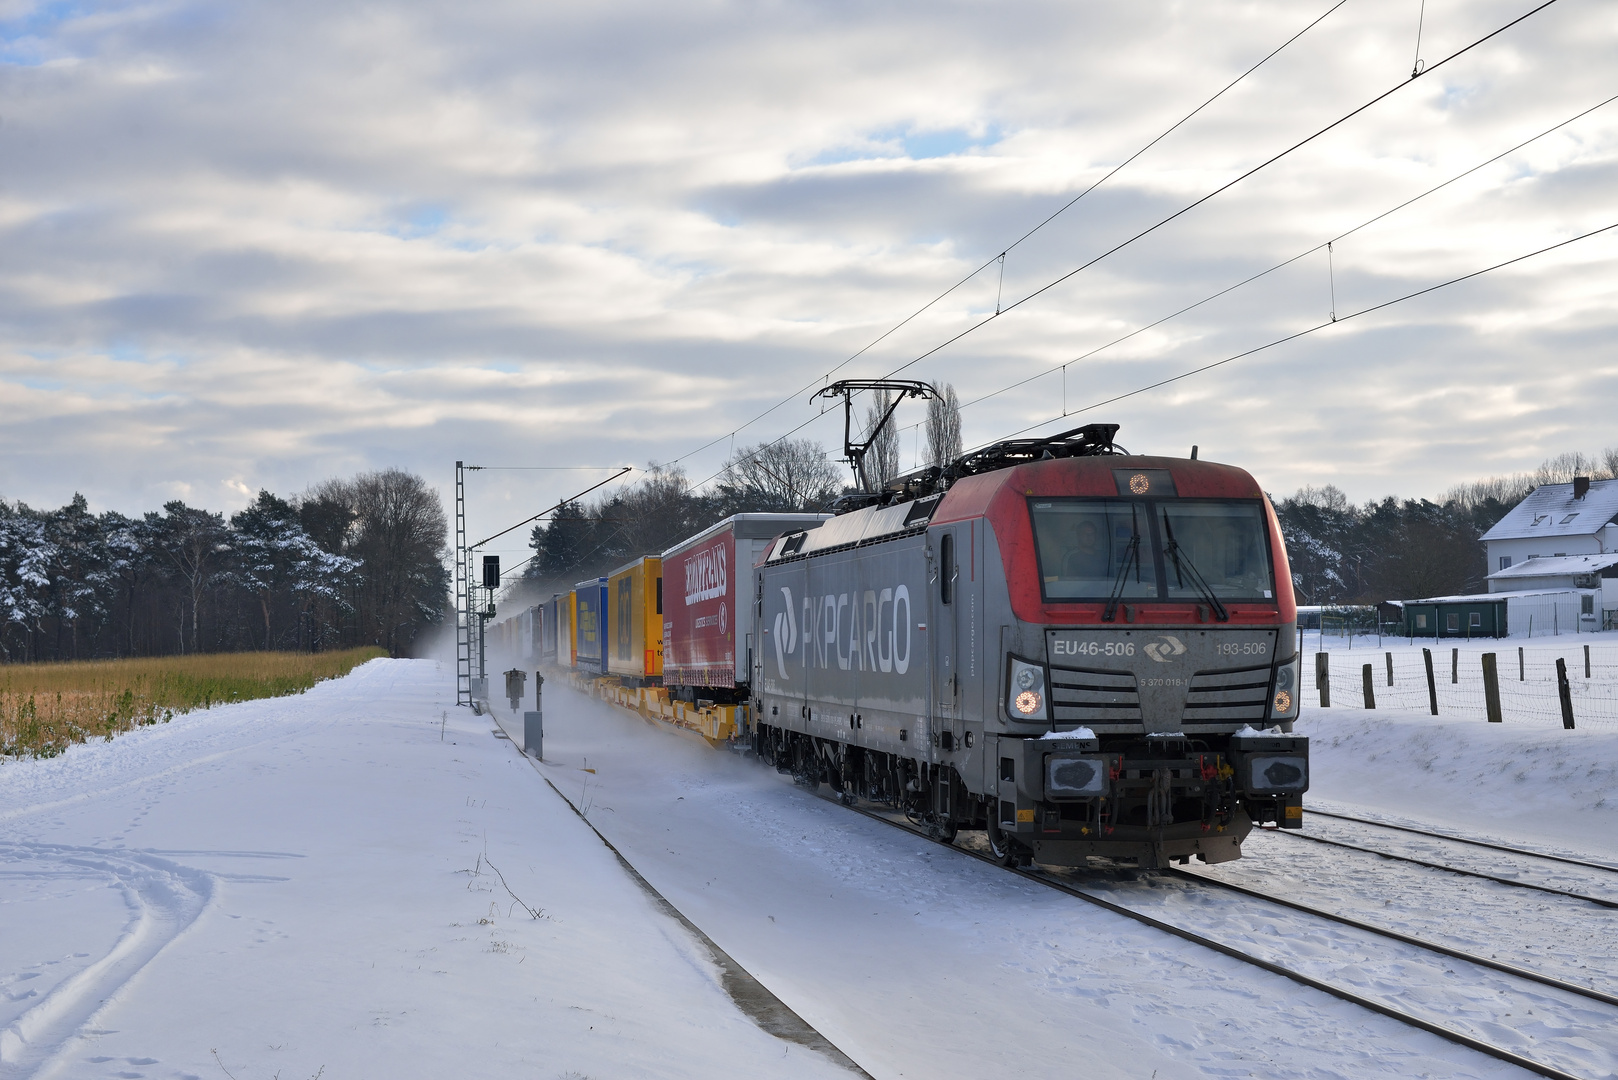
(1082, 652)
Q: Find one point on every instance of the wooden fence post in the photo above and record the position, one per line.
(1520, 675)
(1587, 661)
(1370, 690)
(1455, 665)
(1491, 689)
(1565, 692)
(1432, 687)
(1323, 678)
(1390, 669)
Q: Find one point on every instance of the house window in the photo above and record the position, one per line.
(1505, 562)
(1453, 621)
(1569, 518)
(1587, 604)
(1475, 620)
(1421, 622)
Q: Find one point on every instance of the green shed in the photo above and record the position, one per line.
(1456, 617)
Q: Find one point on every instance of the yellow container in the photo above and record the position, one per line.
(567, 644)
(635, 645)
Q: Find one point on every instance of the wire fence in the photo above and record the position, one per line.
(1527, 676)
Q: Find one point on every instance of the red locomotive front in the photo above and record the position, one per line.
(1109, 650)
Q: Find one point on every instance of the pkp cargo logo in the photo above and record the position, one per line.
(786, 634)
(867, 631)
(1165, 650)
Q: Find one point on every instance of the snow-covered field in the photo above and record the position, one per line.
(1526, 670)
(309, 883)
(316, 882)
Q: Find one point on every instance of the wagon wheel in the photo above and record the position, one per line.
(1004, 849)
(806, 767)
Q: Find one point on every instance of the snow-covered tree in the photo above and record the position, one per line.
(275, 561)
(26, 556)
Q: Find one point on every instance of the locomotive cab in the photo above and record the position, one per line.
(1099, 654)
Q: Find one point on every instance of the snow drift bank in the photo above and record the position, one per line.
(1535, 785)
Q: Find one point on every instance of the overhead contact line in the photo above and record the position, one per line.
(1000, 258)
(1218, 190)
(1306, 332)
(1250, 172)
(1246, 352)
(1368, 222)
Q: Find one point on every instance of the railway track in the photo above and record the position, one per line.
(1452, 838)
(1585, 1010)
(1342, 993)
(1498, 879)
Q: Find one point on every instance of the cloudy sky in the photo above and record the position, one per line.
(250, 245)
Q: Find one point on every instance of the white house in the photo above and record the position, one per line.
(1557, 521)
(1555, 572)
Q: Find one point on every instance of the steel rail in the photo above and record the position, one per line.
(1467, 840)
(1448, 869)
(1448, 1034)
(1382, 931)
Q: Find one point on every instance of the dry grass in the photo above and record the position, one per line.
(45, 708)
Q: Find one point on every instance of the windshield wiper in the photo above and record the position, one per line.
(1183, 568)
(1131, 556)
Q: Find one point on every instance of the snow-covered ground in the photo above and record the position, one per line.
(1526, 671)
(310, 882)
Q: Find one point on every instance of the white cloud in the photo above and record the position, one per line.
(263, 244)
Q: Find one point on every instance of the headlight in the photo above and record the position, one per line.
(1284, 703)
(1075, 777)
(1278, 774)
(1027, 698)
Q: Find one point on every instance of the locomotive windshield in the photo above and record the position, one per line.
(1094, 549)
(1085, 544)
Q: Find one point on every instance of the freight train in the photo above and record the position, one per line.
(1080, 652)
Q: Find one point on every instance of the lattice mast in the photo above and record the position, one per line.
(463, 596)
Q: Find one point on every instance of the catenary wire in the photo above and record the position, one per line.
(1216, 191)
(1001, 256)
(1306, 332)
(1288, 262)
(622, 471)
(1229, 184)
(1270, 270)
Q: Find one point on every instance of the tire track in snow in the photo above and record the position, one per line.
(166, 898)
(144, 780)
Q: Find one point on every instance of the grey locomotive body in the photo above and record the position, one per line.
(955, 656)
